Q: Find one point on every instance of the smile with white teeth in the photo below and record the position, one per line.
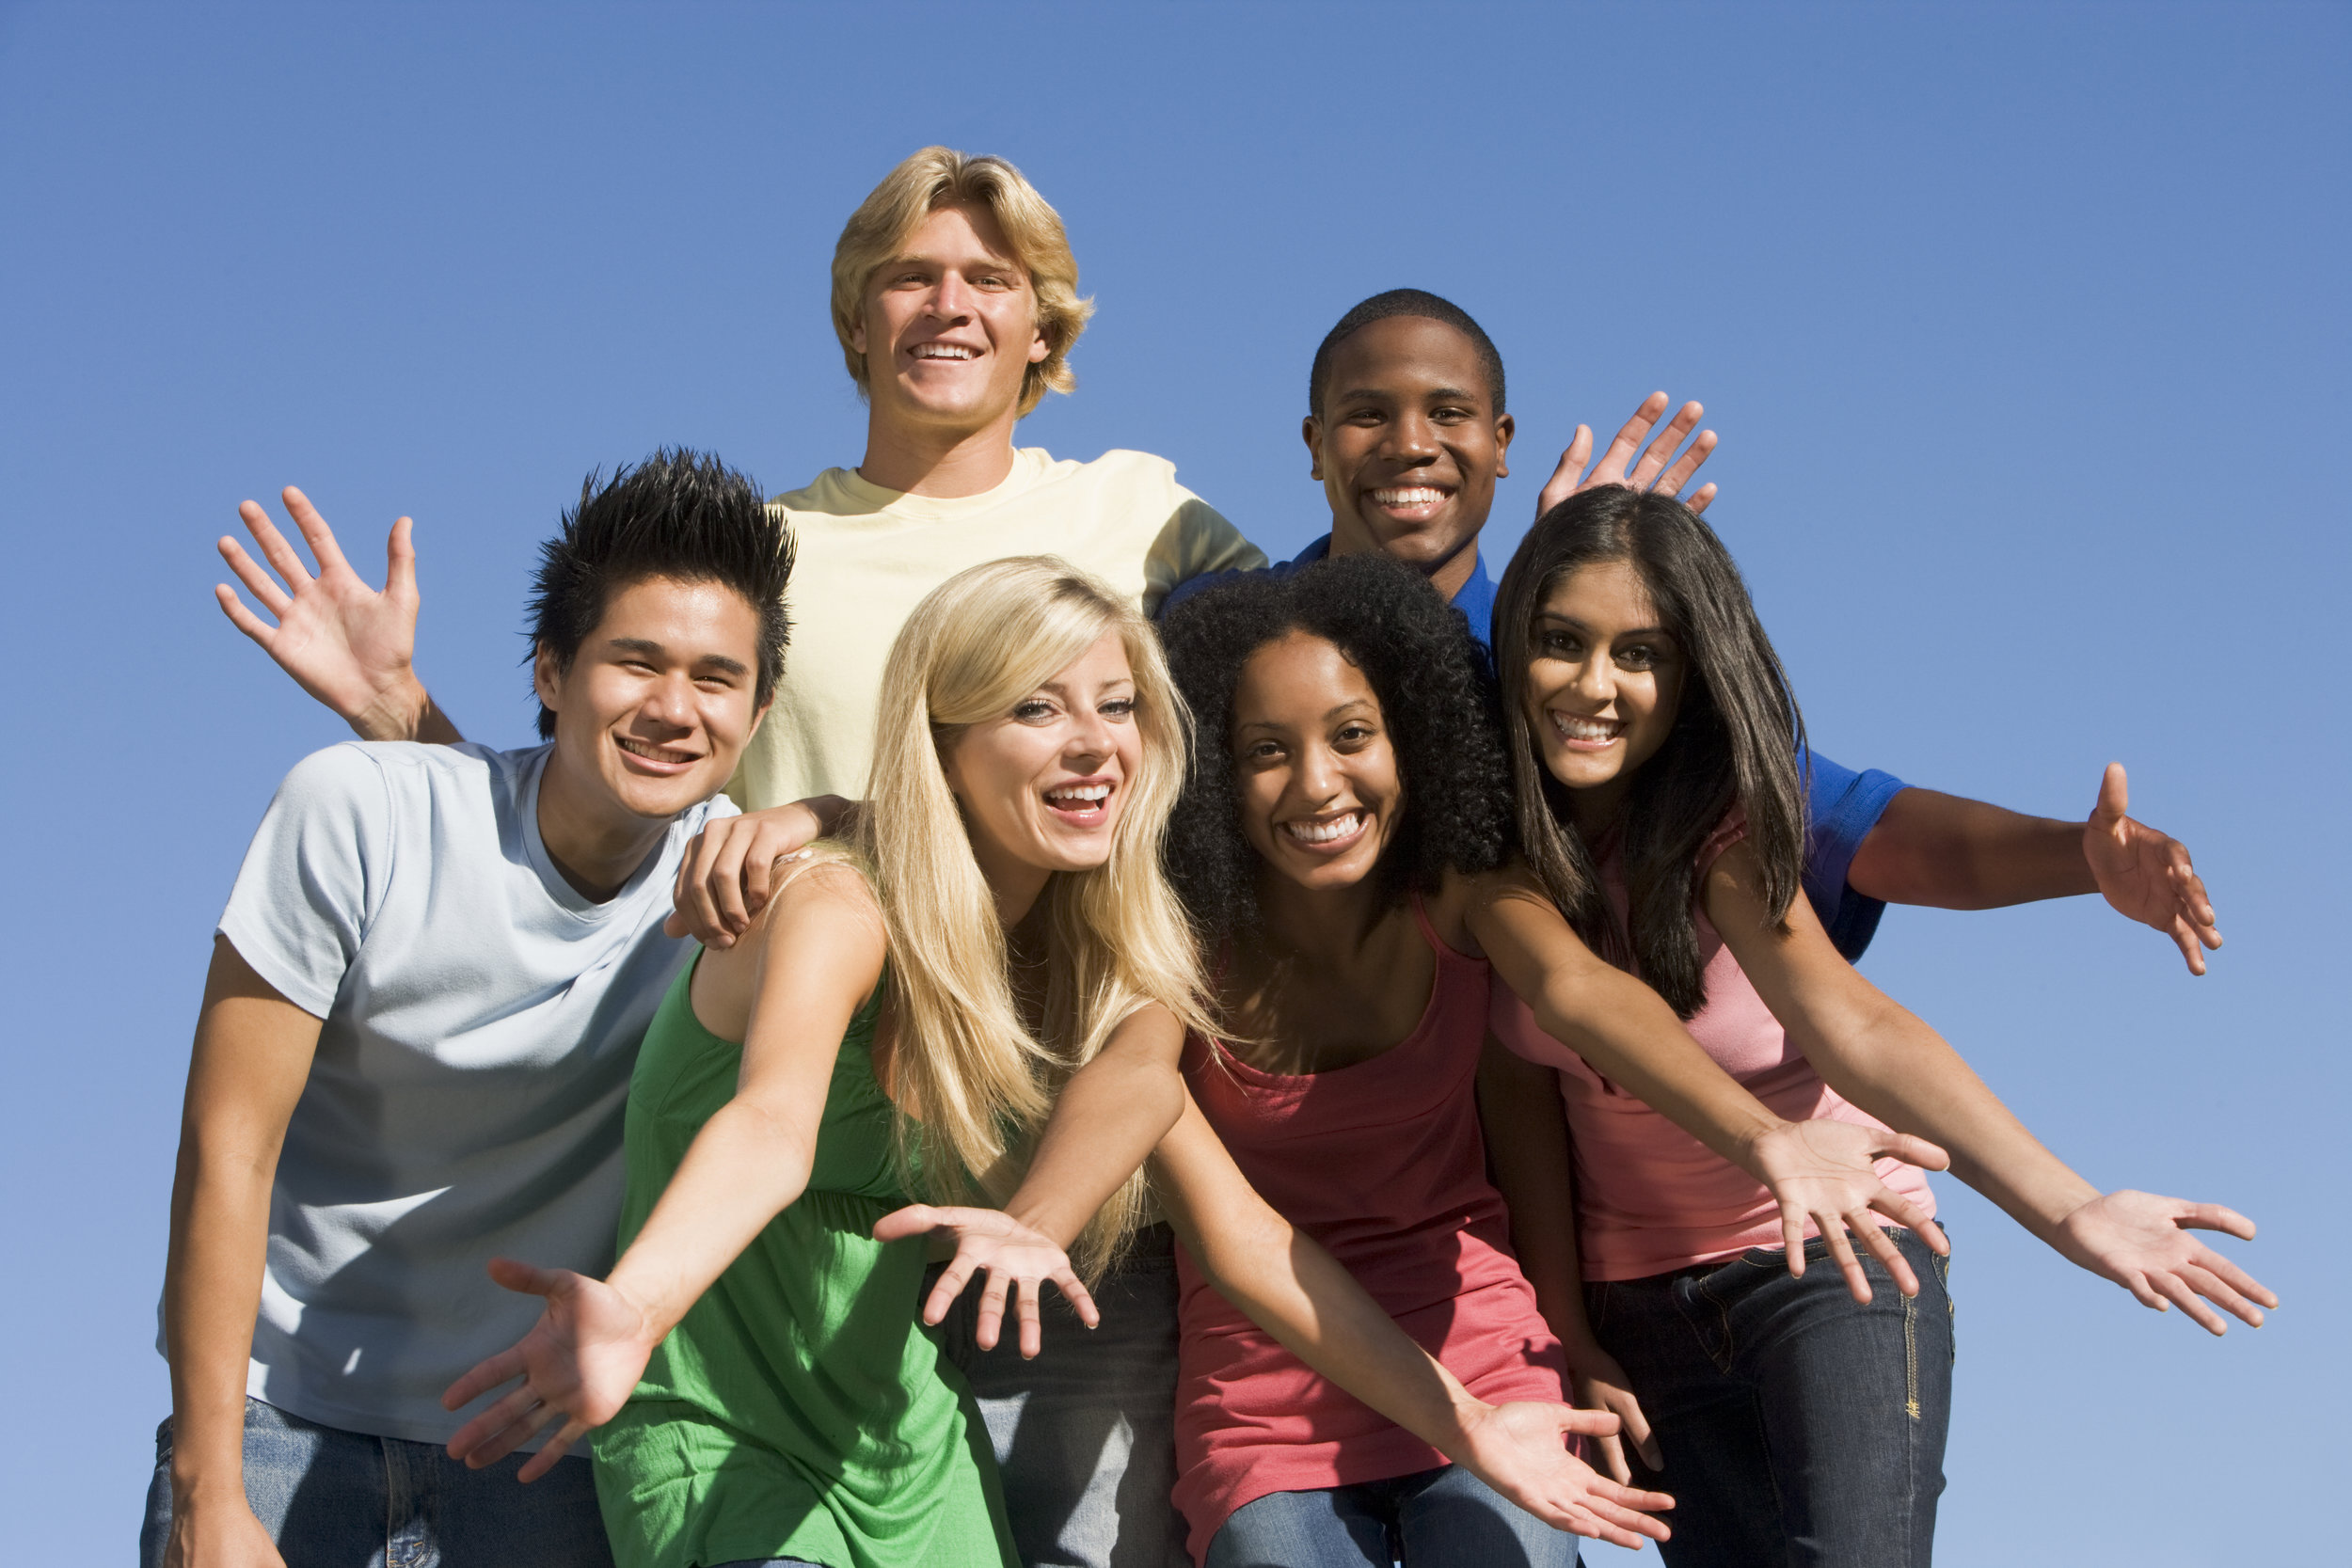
(654, 753)
(943, 351)
(1582, 732)
(1344, 826)
(1409, 495)
(1079, 795)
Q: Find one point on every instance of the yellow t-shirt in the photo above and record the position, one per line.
(869, 555)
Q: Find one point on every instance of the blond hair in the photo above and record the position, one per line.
(979, 1082)
(941, 177)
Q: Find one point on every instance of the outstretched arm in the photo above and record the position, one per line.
(1648, 471)
(1297, 1293)
(1107, 1119)
(789, 997)
(342, 642)
(1822, 1173)
(1951, 853)
(252, 1057)
(1890, 1063)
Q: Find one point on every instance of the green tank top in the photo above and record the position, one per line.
(800, 1408)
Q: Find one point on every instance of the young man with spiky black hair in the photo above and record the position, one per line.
(425, 999)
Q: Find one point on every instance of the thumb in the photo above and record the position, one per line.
(1915, 1151)
(2115, 799)
(1562, 482)
(676, 925)
(527, 1278)
(1587, 1424)
(400, 562)
(916, 1219)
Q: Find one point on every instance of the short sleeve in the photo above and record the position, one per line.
(1197, 542)
(1841, 808)
(313, 877)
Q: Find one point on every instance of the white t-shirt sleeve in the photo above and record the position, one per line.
(315, 875)
(1197, 540)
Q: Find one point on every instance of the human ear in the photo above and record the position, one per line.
(1040, 350)
(547, 677)
(1505, 430)
(1311, 430)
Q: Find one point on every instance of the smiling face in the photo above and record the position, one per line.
(1604, 683)
(1407, 442)
(1043, 785)
(1314, 768)
(656, 704)
(950, 326)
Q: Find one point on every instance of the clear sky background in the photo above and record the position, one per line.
(2024, 326)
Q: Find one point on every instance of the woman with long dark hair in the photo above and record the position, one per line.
(1658, 802)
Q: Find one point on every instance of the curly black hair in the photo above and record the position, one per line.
(1435, 693)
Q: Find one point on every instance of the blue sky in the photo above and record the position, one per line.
(2024, 328)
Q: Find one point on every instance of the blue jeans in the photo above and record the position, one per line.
(1440, 1518)
(1797, 1426)
(338, 1500)
(1085, 1434)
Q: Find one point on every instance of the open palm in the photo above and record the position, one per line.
(579, 1364)
(345, 643)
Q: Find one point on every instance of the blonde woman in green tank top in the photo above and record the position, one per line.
(898, 1019)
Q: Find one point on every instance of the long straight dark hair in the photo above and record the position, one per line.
(1733, 741)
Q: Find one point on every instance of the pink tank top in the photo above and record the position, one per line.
(1650, 1197)
(1381, 1161)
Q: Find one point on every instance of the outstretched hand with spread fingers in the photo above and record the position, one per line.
(2142, 1243)
(1649, 471)
(1016, 1259)
(345, 643)
(1824, 1173)
(1520, 1450)
(577, 1364)
(2146, 875)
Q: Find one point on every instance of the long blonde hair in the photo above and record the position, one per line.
(940, 177)
(981, 1082)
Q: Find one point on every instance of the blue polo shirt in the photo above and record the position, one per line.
(1841, 805)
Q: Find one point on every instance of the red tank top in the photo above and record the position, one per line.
(1382, 1163)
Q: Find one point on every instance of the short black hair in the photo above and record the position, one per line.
(1417, 653)
(1404, 302)
(680, 514)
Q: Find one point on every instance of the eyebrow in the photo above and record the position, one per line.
(998, 263)
(647, 646)
(1631, 631)
(1454, 394)
(1328, 714)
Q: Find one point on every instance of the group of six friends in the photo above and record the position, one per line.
(1313, 1043)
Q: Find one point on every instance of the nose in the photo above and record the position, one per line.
(1090, 742)
(952, 298)
(1316, 779)
(1411, 438)
(669, 701)
(1596, 678)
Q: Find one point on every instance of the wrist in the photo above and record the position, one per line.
(1750, 1143)
(397, 711)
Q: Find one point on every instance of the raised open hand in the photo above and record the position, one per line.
(1826, 1172)
(577, 1365)
(2142, 1243)
(1618, 465)
(2147, 875)
(1518, 1449)
(1014, 1257)
(342, 642)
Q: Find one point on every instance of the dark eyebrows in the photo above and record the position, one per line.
(1381, 395)
(647, 647)
(1573, 623)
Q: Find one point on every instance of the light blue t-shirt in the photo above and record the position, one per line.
(482, 1018)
